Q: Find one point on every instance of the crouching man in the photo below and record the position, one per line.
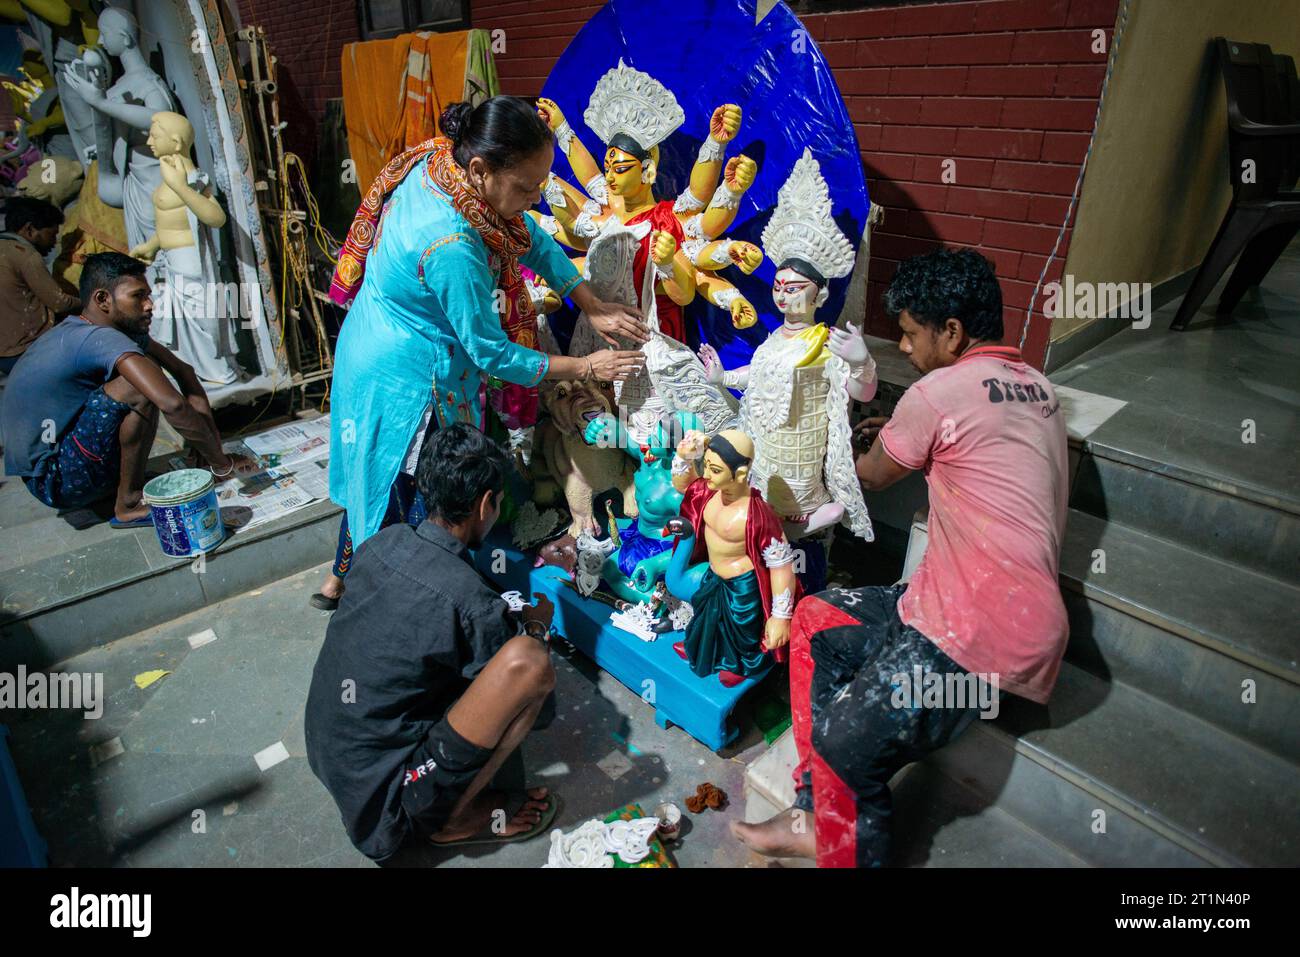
(81, 406)
(879, 677)
(427, 681)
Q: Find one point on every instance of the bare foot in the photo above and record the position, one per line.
(481, 813)
(787, 834)
(333, 587)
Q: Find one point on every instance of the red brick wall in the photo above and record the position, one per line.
(537, 31)
(307, 39)
(1005, 88)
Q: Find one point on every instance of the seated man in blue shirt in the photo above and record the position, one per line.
(427, 680)
(81, 405)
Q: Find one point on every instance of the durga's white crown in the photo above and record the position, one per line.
(628, 101)
(801, 227)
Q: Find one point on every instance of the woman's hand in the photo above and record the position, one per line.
(611, 319)
(610, 366)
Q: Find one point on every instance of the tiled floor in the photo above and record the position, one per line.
(189, 742)
(1196, 399)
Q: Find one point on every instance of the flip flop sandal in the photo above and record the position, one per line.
(322, 602)
(146, 522)
(547, 819)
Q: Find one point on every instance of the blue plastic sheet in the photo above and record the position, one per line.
(708, 53)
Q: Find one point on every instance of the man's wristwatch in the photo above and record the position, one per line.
(535, 629)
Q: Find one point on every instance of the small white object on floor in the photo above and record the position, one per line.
(585, 847)
(630, 840)
(593, 843)
(105, 750)
(268, 758)
(204, 637)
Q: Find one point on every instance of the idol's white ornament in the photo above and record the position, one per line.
(635, 104)
(585, 847)
(802, 226)
(797, 388)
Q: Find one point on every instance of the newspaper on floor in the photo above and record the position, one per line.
(296, 473)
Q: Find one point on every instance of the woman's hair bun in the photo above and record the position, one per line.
(454, 120)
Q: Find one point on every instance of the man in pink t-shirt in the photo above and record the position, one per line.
(881, 676)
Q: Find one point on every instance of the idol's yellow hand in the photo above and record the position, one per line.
(747, 256)
(550, 111)
(725, 123)
(743, 314)
(662, 247)
(739, 173)
(144, 252)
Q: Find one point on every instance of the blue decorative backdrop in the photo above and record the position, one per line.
(708, 53)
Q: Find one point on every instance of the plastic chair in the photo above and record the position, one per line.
(1264, 139)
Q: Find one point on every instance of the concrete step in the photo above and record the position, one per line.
(1169, 789)
(937, 822)
(1173, 790)
(1185, 627)
(106, 584)
(1206, 516)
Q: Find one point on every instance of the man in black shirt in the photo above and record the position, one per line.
(427, 681)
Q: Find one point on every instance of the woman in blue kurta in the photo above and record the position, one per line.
(433, 260)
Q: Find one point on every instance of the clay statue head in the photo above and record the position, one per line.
(796, 294)
(170, 134)
(118, 31)
(726, 462)
(629, 170)
(573, 404)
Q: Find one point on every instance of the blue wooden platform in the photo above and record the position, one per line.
(699, 706)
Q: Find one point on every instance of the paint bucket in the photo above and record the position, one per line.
(185, 512)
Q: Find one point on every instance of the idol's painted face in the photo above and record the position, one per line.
(715, 472)
(795, 295)
(622, 172)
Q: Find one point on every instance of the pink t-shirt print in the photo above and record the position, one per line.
(990, 434)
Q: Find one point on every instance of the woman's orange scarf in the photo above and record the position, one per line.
(506, 240)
